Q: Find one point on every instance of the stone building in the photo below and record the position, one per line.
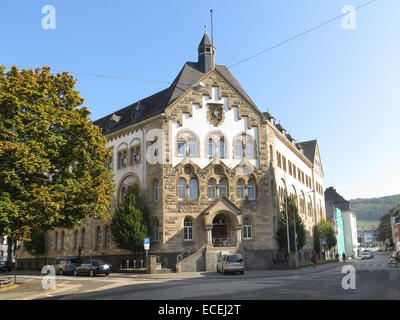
(212, 167)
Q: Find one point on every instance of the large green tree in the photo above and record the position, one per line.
(130, 224)
(52, 157)
(282, 231)
(385, 226)
(324, 230)
(37, 243)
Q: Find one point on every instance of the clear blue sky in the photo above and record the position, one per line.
(335, 85)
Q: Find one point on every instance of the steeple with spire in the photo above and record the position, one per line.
(206, 52)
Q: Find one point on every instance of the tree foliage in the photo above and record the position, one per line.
(385, 227)
(374, 208)
(130, 225)
(324, 230)
(282, 231)
(52, 157)
(37, 243)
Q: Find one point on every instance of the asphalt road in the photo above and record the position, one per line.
(374, 279)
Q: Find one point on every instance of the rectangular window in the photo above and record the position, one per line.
(192, 147)
(284, 163)
(181, 147)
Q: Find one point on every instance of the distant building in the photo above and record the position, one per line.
(395, 221)
(368, 237)
(349, 220)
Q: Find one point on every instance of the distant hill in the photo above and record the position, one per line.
(373, 208)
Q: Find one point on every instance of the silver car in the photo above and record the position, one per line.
(65, 265)
(367, 255)
(231, 263)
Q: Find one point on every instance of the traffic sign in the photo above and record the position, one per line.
(146, 243)
(323, 241)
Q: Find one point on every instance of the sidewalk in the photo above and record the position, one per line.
(24, 289)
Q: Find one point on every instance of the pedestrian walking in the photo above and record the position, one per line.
(337, 256)
(314, 259)
(344, 257)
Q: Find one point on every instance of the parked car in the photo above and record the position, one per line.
(5, 266)
(367, 255)
(395, 256)
(230, 263)
(65, 265)
(93, 267)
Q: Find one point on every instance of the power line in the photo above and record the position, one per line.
(231, 66)
(301, 34)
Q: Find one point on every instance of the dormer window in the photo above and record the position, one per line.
(109, 125)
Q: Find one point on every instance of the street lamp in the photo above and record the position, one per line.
(294, 224)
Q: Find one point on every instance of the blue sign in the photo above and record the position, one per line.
(146, 240)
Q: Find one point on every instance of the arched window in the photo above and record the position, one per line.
(98, 236)
(212, 194)
(221, 147)
(211, 149)
(56, 241)
(156, 227)
(239, 149)
(223, 188)
(240, 189)
(156, 190)
(181, 146)
(83, 238)
(107, 236)
(193, 189)
(190, 146)
(251, 190)
(188, 229)
(75, 239)
(247, 232)
(181, 189)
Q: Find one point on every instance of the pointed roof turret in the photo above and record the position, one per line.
(206, 52)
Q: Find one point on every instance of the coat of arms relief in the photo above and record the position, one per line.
(215, 113)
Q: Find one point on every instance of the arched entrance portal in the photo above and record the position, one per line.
(221, 231)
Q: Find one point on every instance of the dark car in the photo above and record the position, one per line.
(93, 267)
(5, 266)
(65, 265)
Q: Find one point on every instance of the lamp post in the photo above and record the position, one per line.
(294, 225)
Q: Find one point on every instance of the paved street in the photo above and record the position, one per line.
(374, 280)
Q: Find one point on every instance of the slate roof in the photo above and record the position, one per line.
(205, 41)
(337, 200)
(158, 102)
(329, 210)
(396, 212)
(280, 127)
(309, 148)
(268, 115)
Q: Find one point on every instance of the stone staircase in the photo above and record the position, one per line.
(204, 259)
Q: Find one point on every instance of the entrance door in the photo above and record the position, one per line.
(220, 231)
